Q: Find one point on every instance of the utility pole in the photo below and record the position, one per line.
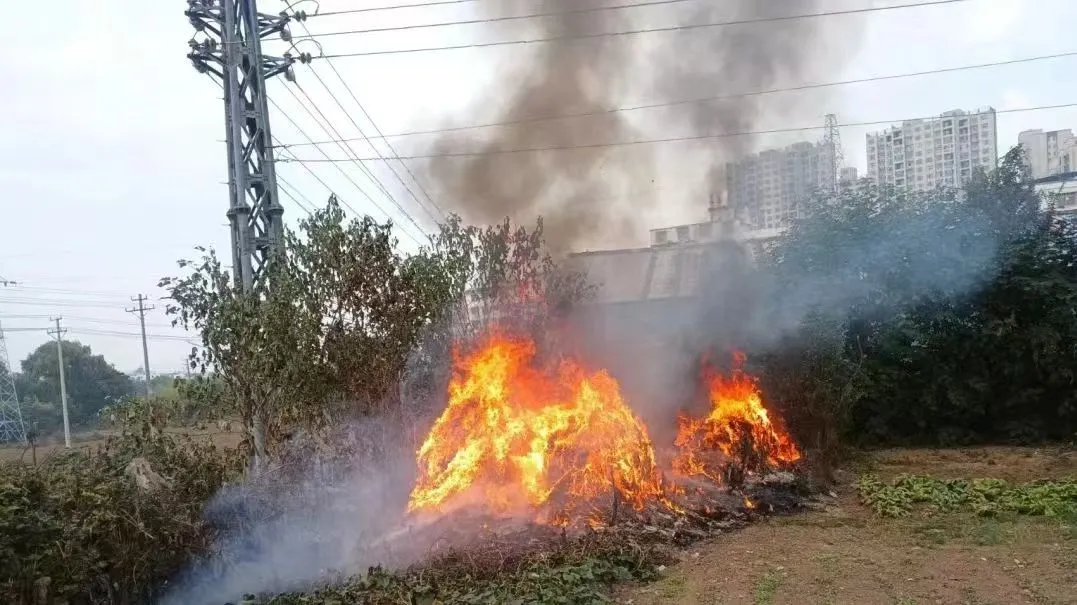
(11, 424)
(141, 310)
(59, 332)
(228, 45)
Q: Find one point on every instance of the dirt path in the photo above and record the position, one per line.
(842, 554)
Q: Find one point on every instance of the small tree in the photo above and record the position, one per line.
(328, 330)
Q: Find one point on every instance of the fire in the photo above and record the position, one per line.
(517, 435)
(738, 427)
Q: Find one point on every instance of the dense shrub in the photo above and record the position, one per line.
(80, 523)
(955, 315)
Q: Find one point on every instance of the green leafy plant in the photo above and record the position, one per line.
(110, 525)
(981, 496)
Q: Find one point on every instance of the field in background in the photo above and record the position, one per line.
(90, 440)
(842, 554)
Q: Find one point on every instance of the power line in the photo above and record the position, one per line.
(327, 125)
(392, 150)
(395, 7)
(631, 32)
(685, 138)
(104, 294)
(310, 141)
(83, 318)
(285, 187)
(341, 170)
(95, 332)
(303, 163)
(726, 97)
(56, 302)
(571, 11)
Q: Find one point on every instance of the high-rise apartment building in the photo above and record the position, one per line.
(768, 188)
(1049, 153)
(939, 152)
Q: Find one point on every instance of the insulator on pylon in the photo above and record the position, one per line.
(286, 33)
(289, 74)
(305, 58)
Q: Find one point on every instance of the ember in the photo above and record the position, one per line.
(558, 444)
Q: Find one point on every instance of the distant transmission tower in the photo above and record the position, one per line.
(832, 138)
(231, 50)
(11, 425)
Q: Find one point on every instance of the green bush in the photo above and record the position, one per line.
(79, 520)
(953, 315)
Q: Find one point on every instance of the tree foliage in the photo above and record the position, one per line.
(92, 383)
(956, 311)
(342, 315)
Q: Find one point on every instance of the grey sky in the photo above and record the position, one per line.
(111, 166)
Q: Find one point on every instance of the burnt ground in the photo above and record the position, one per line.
(842, 554)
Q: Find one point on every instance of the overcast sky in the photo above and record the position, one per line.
(112, 165)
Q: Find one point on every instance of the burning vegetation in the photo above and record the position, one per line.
(555, 442)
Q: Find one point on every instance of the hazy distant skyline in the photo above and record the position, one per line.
(112, 165)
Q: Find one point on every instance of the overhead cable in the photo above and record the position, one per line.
(304, 163)
(697, 137)
(727, 97)
(327, 125)
(394, 7)
(562, 13)
(387, 163)
(649, 30)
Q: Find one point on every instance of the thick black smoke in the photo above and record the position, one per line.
(592, 194)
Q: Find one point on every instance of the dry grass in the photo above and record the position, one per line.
(91, 440)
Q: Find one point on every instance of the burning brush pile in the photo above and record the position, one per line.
(535, 453)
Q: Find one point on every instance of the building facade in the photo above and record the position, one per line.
(1049, 153)
(922, 155)
(769, 187)
(1060, 192)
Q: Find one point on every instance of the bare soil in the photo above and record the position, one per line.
(843, 554)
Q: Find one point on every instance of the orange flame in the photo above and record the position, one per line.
(517, 436)
(738, 423)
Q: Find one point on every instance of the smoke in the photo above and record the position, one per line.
(319, 516)
(604, 195)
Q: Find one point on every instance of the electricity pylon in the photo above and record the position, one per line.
(832, 138)
(11, 424)
(228, 45)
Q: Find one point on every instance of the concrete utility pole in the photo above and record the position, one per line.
(59, 332)
(231, 50)
(141, 310)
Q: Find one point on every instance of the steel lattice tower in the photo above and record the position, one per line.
(11, 424)
(231, 50)
(832, 137)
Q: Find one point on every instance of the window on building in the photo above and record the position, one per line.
(661, 237)
(682, 234)
(704, 231)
